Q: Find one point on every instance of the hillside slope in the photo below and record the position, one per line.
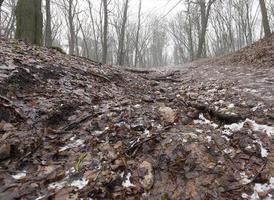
(260, 53)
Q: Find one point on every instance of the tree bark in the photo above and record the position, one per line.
(29, 22)
(105, 34)
(121, 53)
(137, 35)
(205, 11)
(71, 28)
(94, 32)
(266, 26)
(48, 31)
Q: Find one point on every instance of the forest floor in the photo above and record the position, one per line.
(71, 128)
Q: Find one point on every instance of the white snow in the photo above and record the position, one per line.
(199, 130)
(41, 197)
(261, 188)
(235, 127)
(19, 175)
(254, 126)
(202, 120)
(231, 106)
(209, 138)
(244, 178)
(57, 185)
(147, 133)
(228, 150)
(74, 144)
(126, 183)
(245, 196)
(264, 152)
(80, 184)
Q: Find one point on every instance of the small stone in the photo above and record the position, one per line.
(146, 175)
(168, 114)
(4, 151)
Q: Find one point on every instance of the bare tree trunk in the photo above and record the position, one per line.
(121, 53)
(105, 34)
(1, 2)
(71, 29)
(94, 32)
(205, 11)
(266, 26)
(48, 31)
(29, 23)
(137, 35)
(84, 38)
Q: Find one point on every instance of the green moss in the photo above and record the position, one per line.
(164, 197)
(80, 159)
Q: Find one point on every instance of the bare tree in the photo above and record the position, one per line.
(29, 26)
(95, 38)
(204, 12)
(138, 34)
(48, 30)
(266, 26)
(120, 59)
(105, 34)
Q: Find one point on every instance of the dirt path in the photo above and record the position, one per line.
(71, 129)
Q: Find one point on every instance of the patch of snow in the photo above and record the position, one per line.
(248, 147)
(80, 184)
(235, 127)
(199, 130)
(264, 152)
(57, 185)
(244, 178)
(202, 120)
(126, 183)
(147, 133)
(260, 105)
(226, 138)
(231, 106)
(227, 132)
(254, 126)
(245, 196)
(74, 144)
(209, 138)
(41, 197)
(184, 140)
(137, 106)
(228, 150)
(19, 175)
(261, 188)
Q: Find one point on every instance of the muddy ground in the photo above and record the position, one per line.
(71, 128)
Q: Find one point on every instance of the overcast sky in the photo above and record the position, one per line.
(160, 7)
(151, 7)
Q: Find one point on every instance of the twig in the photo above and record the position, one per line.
(138, 71)
(100, 76)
